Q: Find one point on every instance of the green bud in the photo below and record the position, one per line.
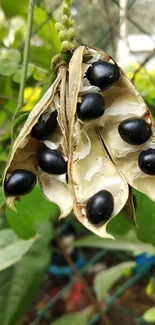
(58, 27)
(68, 2)
(65, 20)
(71, 23)
(66, 10)
(63, 35)
(71, 33)
(72, 44)
(65, 46)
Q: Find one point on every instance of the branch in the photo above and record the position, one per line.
(150, 55)
(25, 60)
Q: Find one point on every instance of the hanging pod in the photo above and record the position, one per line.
(99, 189)
(119, 145)
(89, 140)
(45, 127)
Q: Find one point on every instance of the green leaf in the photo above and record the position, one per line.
(32, 209)
(8, 68)
(19, 283)
(41, 55)
(18, 74)
(119, 225)
(145, 218)
(2, 200)
(14, 56)
(14, 8)
(129, 242)
(149, 315)
(150, 289)
(39, 74)
(78, 318)
(48, 31)
(104, 280)
(12, 248)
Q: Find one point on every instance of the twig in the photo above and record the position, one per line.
(150, 55)
(25, 60)
(111, 25)
(85, 286)
(11, 99)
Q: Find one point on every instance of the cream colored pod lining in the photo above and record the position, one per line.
(23, 155)
(98, 159)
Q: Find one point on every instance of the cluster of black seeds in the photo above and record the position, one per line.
(137, 131)
(134, 131)
(103, 75)
(22, 181)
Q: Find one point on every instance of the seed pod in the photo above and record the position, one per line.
(41, 125)
(90, 168)
(98, 159)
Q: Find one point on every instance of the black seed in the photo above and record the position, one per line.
(135, 131)
(92, 107)
(51, 161)
(100, 207)
(45, 127)
(146, 161)
(20, 182)
(103, 74)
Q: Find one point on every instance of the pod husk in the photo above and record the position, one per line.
(91, 170)
(23, 154)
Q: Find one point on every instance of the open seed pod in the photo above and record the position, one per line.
(43, 136)
(106, 146)
(87, 140)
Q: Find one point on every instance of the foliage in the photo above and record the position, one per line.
(127, 242)
(31, 210)
(149, 315)
(12, 248)
(79, 318)
(105, 279)
(20, 282)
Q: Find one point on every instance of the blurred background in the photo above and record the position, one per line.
(55, 272)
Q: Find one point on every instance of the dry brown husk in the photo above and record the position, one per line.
(23, 155)
(97, 157)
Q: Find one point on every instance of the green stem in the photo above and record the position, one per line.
(25, 61)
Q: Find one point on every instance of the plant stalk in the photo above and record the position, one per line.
(25, 61)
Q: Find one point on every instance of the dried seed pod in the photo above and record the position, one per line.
(99, 158)
(25, 148)
(100, 164)
(90, 167)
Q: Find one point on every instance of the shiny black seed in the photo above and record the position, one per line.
(20, 182)
(51, 161)
(135, 130)
(92, 107)
(146, 161)
(100, 207)
(45, 127)
(103, 74)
